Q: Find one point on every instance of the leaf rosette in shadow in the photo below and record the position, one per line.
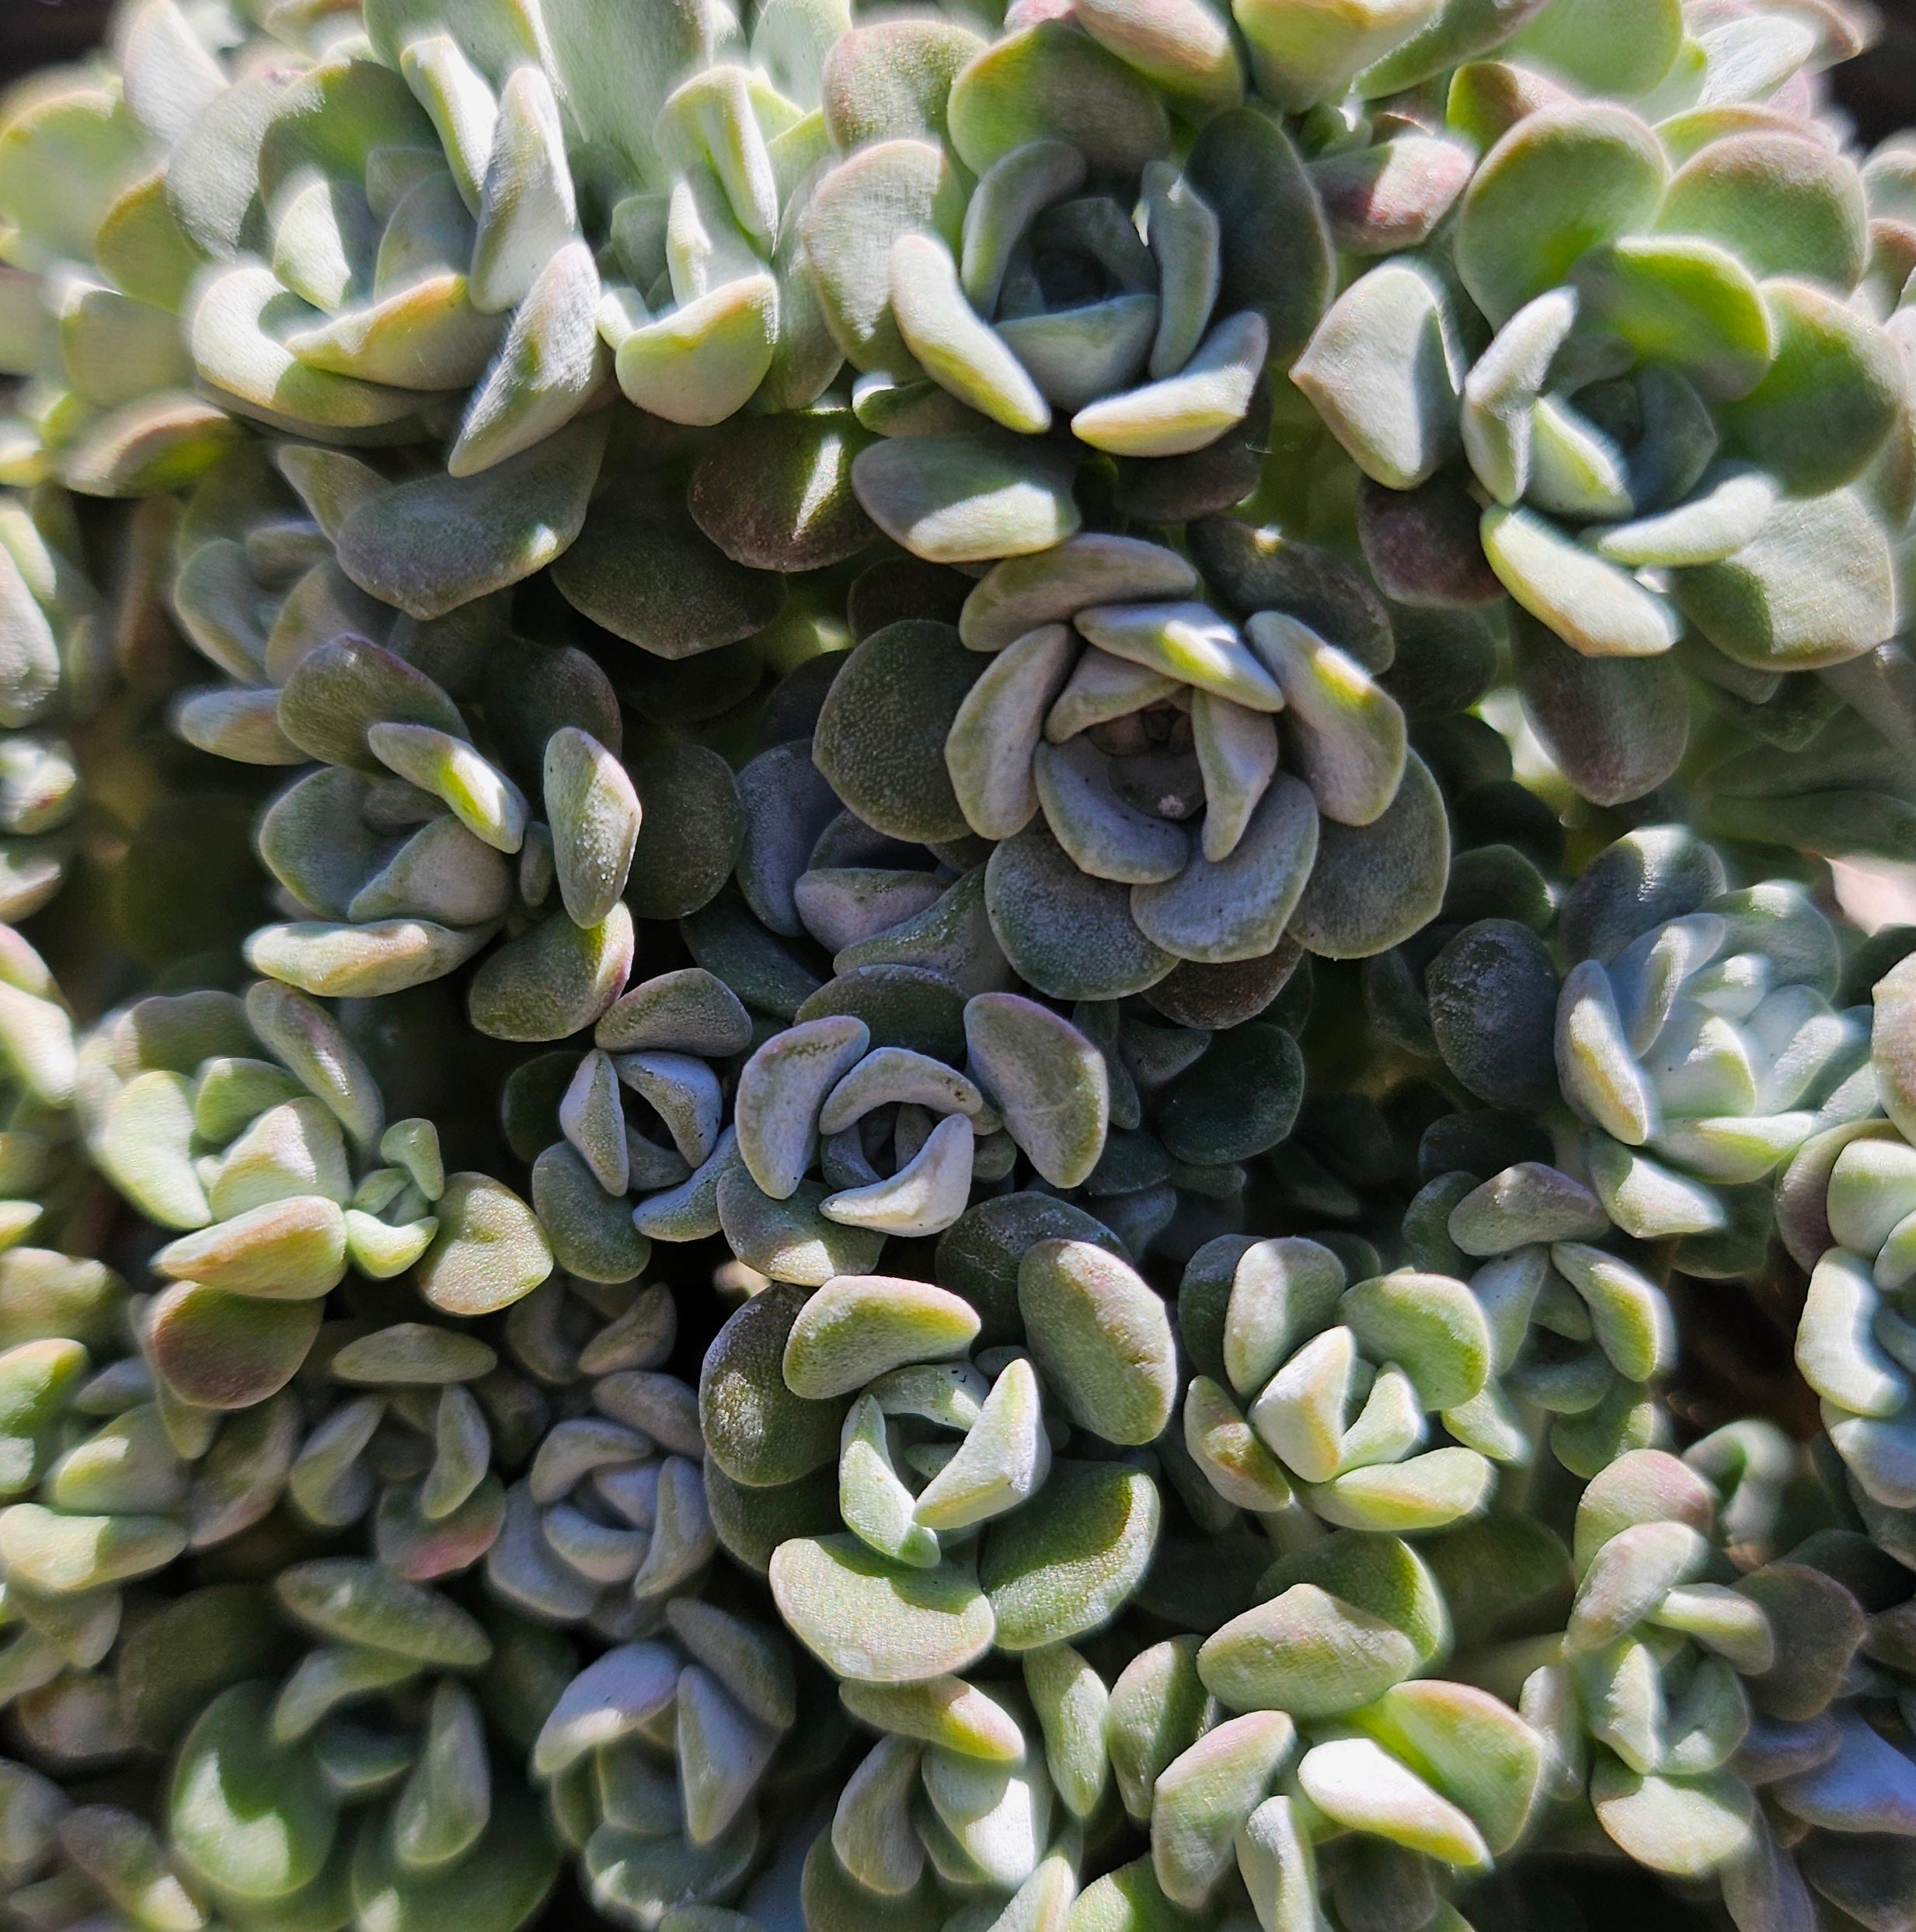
(1159, 783)
(378, 1781)
(674, 1764)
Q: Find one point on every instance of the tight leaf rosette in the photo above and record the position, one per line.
(810, 1150)
(392, 236)
(1036, 1086)
(1653, 1648)
(1581, 1332)
(866, 1360)
(384, 1768)
(1690, 1049)
(610, 1522)
(98, 269)
(1373, 1772)
(1329, 1388)
(671, 1761)
(1025, 240)
(407, 848)
(417, 1429)
(1700, 1055)
(458, 228)
(963, 1533)
(278, 1176)
(1663, 483)
(1162, 784)
(1701, 1713)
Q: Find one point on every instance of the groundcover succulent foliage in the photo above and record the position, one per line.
(954, 976)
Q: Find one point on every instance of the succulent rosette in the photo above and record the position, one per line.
(1843, 1205)
(1027, 239)
(387, 1760)
(279, 1175)
(1084, 765)
(715, 308)
(1690, 1049)
(1581, 1332)
(403, 865)
(1700, 1056)
(1117, 708)
(670, 1761)
(821, 1087)
(97, 269)
(793, 1386)
(884, 1118)
(671, 1107)
(1387, 1777)
(1681, 1693)
(1609, 338)
(1813, 761)
(961, 1532)
(1329, 1389)
(610, 1521)
(453, 1457)
(1707, 1701)
(358, 282)
(406, 228)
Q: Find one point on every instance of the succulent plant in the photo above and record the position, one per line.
(388, 1777)
(82, 666)
(1628, 424)
(55, 628)
(1118, 707)
(978, 1063)
(665, 1760)
(1326, 1387)
(65, 1859)
(254, 1161)
(1689, 1050)
(1842, 1204)
(1831, 786)
(99, 269)
(1721, 1072)
(39, 1072)
(1647, 1707)
(96, 1495)
(974, 1441)
(612, 1521)
(369, 274)
(1012, 244)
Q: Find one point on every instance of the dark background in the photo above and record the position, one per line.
(34, 33)
(1879, 90)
